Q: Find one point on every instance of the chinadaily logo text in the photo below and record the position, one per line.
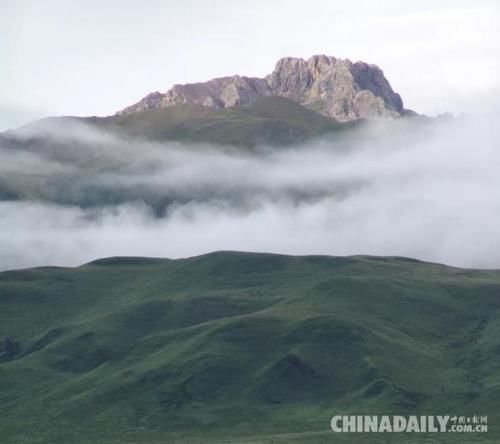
(409, 424)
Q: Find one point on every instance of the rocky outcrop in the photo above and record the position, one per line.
(337, 88)
(217, 93)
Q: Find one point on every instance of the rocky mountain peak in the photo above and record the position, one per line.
(334, 87)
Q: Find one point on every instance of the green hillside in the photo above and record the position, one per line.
(244, 348)
(269, 120)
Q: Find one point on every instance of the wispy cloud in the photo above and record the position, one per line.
(429, 192)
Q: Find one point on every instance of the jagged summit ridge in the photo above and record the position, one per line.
(334, 87)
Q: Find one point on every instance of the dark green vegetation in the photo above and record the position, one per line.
(240, 347)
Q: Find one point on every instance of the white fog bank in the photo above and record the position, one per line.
(432, 196)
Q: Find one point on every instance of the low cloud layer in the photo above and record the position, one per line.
(406, 189)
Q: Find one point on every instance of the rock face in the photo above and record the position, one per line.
(337, 88)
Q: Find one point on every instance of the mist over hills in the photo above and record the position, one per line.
(320, 159)
(270, 176)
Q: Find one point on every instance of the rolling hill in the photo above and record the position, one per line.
(244, 347)
(269, 120)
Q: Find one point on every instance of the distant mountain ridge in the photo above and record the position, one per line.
(336, 88)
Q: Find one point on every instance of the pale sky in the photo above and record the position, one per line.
(95, 57)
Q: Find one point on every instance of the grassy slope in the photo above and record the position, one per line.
(237, 347)
(269, 120)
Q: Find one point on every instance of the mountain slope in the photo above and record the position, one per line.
(241, 347)
(334, 87)
(269, 120)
